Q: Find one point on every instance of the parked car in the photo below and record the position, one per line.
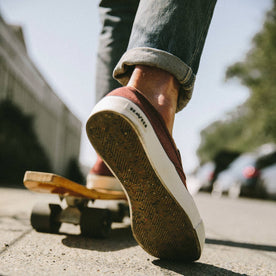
(205, 175)
(243, 176)
(268, 178)
(229, 180)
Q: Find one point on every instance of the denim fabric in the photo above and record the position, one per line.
(168, 34)
(117, 18)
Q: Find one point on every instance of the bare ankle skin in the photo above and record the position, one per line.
(160, 88)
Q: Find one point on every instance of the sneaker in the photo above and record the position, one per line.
(100, 177)
(132, 138)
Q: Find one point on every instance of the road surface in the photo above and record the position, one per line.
(241, 240)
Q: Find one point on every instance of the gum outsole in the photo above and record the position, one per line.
(159, 224)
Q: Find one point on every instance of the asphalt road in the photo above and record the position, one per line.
(241, 240)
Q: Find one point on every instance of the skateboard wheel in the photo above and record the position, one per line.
(95, 222)
(118, 210)
(44, 217)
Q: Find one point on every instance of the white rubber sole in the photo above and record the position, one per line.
(160, 163)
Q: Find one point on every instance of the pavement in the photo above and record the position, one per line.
(240, 240)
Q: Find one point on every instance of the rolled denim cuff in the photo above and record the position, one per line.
(160, 59)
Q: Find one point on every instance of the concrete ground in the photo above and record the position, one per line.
(241, 240)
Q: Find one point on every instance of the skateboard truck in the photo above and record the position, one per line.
(94, 222)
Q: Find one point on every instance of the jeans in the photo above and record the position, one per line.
(167, 34)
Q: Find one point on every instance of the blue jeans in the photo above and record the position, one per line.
(167, 34)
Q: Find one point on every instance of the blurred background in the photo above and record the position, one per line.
(226, 135)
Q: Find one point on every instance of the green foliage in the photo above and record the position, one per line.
(253, 123)
(258, 73)
(19, 146)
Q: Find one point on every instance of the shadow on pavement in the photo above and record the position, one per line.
(120, 238)
(242, 245)
(195, 269)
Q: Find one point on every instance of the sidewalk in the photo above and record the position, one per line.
(241, 240)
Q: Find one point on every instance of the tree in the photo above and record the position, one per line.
(258, 73)
(20, 149)
(254, 122)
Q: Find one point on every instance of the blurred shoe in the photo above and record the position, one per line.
(133, 139)
(100, 177)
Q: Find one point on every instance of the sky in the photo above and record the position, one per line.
(61, 38)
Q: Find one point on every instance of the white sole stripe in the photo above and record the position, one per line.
(161, 163)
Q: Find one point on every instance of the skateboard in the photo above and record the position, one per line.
(94, 222)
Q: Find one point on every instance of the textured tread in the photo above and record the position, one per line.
(159, 224)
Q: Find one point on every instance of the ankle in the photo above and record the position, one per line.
(100, 168)
(160, 88)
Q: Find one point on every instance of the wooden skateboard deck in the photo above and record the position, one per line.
(55, 184)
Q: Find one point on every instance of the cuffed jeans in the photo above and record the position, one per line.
(167, 34)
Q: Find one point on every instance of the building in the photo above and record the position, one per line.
(58, 130)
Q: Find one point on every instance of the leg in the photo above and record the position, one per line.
(161, 89)
(169, 35)
(115, 15)
(131, 127)
(117, 18)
